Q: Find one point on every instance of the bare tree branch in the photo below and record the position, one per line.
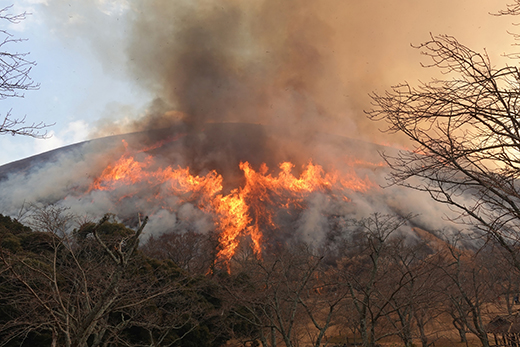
(466, 134)
(15, 79)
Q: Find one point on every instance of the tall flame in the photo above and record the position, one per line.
(243, 211)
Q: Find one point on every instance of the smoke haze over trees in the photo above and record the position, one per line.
(92, 287)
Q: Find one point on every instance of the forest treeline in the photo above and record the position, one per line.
(93, 284)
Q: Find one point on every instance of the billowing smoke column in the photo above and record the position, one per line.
(258, 62)
(216, 69)
(298, 64)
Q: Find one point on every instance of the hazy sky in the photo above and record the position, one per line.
(296, 63)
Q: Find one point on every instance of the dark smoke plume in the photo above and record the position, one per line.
(298, 65)
(302, 68)
(231, 61)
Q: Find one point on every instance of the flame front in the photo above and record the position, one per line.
(242, 212)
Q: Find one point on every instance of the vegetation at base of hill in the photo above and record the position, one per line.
(93, 286)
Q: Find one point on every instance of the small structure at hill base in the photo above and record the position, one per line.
(505, 330)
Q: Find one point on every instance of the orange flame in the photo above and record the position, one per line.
(242, 212)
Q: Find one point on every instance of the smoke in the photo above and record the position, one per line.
(298, 65)
(302, 68)
(232, 61)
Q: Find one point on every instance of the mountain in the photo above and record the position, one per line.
(218, 146)
(133, 174)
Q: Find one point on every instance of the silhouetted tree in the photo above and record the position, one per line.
(467, 289)
(366, 272)
(288, 296)
(193, 252)
(92, 287)
(466, 134)
(413, 307)
(15, 79)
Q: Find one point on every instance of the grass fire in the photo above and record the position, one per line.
(245, 210)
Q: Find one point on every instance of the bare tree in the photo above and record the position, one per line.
(511, 9)
(15, 79)
(466, 133)
(194, 252)
(415, 305)
(68, 303)
(366, 272)
(469, 289)
(92, 287)
(288, 296)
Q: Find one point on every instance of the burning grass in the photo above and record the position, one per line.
(242, 211)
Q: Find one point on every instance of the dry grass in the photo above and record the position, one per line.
(441, 334)
(440, 341)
